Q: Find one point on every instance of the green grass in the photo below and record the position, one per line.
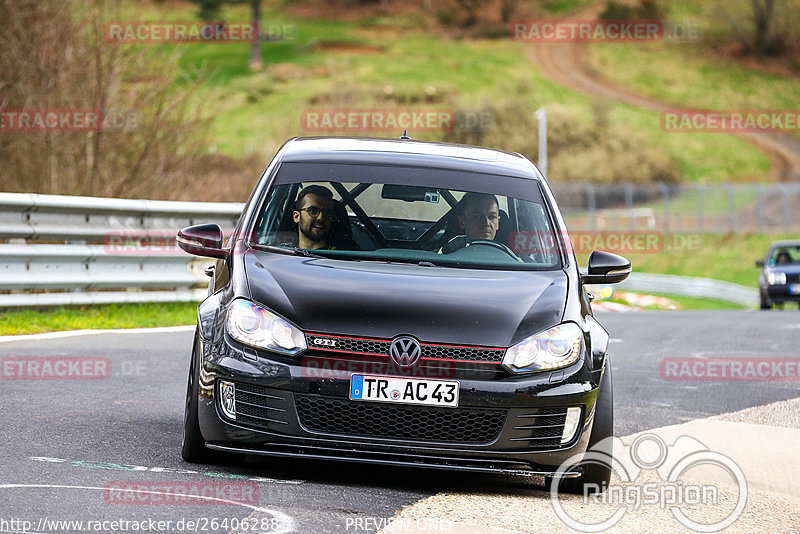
(701, 157)
(563, 7)
(688, 76)
(723, 257)
(256, 112)
(686, 303)
(15, 322)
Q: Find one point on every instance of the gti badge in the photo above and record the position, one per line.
(325, 342)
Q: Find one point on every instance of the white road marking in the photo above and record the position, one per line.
(285, 523)
(73, 333)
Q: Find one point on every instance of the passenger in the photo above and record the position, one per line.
(783, 258)
(478, 217)
(314, 215)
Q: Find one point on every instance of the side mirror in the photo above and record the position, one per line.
(202, 240)
(606, 268)
(759, 263)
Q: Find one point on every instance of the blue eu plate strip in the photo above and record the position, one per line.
(357, 387)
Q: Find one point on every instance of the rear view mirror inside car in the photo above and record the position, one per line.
(409, 193)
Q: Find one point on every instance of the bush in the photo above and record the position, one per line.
(577, 151)
(645, 10)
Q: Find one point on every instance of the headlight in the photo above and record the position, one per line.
(552, 349)
(776, 279)
(253, 325)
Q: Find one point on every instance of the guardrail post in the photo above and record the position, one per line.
(732, 208)
(700, 213)
(665, 203)
(786, 217)
(629, 206)
(592, 206)
(759, 209)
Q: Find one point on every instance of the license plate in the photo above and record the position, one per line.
(794, 289)
(403, 390)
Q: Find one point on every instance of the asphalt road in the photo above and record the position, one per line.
(69, 444)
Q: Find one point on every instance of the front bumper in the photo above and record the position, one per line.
(781, 293)
(286, 408)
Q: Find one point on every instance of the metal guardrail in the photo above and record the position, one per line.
(108, 250)
(688, 286)
(98, 259)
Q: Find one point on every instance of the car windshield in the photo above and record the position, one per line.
(785, 255)
(433, 217)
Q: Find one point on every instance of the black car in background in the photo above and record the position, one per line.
(403, 341)
(779, 281)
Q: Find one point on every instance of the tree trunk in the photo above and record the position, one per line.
(763, 14)
(255, 47)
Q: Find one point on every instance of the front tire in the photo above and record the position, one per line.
(596, 476)
(194, 448)
(765, 303)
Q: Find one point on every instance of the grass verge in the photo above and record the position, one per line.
(369, 63)
(723, 257)
(675, 302)
(16, 322)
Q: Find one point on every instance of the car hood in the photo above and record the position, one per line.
(381, 300)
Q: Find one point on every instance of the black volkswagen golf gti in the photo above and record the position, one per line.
(400, 303)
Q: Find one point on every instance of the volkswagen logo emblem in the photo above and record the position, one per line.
(405, 351)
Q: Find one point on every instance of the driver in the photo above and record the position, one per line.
(479, 217)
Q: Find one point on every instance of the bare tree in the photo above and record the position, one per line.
(55, 57)
(209, 11)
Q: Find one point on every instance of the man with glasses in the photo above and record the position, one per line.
(314, 215)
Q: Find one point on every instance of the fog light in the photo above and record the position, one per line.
(227, 394)
(571, 424)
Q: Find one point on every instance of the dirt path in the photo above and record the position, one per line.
(566, 64)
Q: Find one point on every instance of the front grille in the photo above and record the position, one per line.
(415, 423)
(259, 406)
(539, 428)
(380, 347)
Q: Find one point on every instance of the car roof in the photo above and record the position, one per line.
(360, 150)
(785, 243)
